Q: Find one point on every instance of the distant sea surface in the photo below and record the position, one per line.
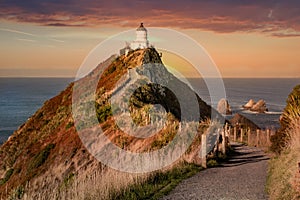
(21, 97)
(240, 90)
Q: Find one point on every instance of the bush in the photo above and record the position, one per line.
(69, 125)
(41, 157)
(7, 176)
(103, 112)
(212, 163)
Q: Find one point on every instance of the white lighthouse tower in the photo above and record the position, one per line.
(141, 40)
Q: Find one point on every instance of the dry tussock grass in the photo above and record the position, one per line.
(102, 184)
(284, 177)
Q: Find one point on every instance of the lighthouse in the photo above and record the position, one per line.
(141, 40)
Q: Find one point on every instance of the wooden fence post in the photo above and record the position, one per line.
(234, 134)
(226, 129)
(223, 143)
(257, 137)
(268, 137)
(242, 134)
(203, 151)
(249, 136)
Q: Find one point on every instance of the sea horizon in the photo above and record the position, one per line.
(185, 77)
(19, 100)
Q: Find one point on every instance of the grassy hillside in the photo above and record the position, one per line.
(45, 158)
(284, 177)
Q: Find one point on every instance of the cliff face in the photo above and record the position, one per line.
(46, 151)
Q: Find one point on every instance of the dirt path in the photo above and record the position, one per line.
(242, 177)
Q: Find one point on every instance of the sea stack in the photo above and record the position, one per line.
(259, 107)
(224, 107)
(249, 104)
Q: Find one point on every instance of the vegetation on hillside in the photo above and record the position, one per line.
(283, 176)
(45, 158)
(291, 113)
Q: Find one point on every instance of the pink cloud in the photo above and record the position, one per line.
(216, 15)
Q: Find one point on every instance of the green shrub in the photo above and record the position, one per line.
(212, 163)
(40, 158)
(69, 125)
(7, 176)
(103, 112)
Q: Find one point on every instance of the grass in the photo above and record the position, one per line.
(158, 184)
(17, 193)
(106, 183)
(283, 176)
(278, 185)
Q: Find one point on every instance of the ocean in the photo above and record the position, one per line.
(21, 97)
(240, 90)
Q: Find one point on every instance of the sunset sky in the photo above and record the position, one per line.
(244, 38)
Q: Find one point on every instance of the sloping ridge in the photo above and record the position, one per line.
(46, 150)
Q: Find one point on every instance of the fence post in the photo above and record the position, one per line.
(242, 134)
(223, 142)
(268, 137)
(203, 151)
(234, 134)
(249, 136)
(257, 137)
(226, 129)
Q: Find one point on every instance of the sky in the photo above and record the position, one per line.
(51, 38)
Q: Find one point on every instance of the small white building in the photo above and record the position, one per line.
(141, 41)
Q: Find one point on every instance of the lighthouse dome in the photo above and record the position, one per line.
(141, 28)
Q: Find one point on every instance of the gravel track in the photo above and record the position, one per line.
(242, 177)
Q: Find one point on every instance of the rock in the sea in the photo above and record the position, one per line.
(249, 104)
(224, 107)
(259, 107)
